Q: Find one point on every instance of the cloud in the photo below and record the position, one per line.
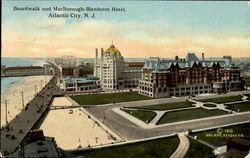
(248, 2)
(68, 51)
(55, 37)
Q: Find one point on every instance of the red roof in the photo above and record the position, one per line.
(135, 64)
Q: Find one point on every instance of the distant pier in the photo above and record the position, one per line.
(19, 71)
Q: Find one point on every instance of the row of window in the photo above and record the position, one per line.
(175, 94)
(83, 88)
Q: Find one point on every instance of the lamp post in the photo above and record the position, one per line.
(41, 84)
(35, 89)
(22, 100)
(6, 113)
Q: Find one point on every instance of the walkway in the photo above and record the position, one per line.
(217, 106)
(160, 113)
(20, 126)
(183, 147)
(153, 122)
(64, 107)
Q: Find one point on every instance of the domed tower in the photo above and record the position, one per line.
(113, 51)
(109, 68)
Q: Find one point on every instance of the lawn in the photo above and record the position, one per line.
(198, 150)
(168, 106)
(157, 148)
(145, 116)
(242, 106)
(96, 99)
(208, 136)
(223, 99)
(189, 115)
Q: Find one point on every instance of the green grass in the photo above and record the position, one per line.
(209, 135)
(223, 99)
(145, 116)
(168, 106)
(209, 105)
(198, 150)
(153, 149)
(96, 99)
(242, 106)
(189, 115)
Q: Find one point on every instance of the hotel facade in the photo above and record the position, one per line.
(177, 77)
(114, 73)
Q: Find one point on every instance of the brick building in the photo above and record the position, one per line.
(161, 77)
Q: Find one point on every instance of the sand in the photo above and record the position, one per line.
(72, 130)
(13, 96)
(61, 101)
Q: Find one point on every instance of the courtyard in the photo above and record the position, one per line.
(191, 109)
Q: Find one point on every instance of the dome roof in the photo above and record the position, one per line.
(112, 50)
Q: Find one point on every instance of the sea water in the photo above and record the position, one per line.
(8, 82)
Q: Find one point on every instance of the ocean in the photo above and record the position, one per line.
(7, 82)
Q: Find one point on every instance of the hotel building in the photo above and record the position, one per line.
(161, 77)
(113, 72)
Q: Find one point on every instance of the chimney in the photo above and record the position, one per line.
(102, 52)
(202, 56)
(176, 57)
(96, 53)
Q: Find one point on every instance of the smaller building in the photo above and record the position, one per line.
(37, 145)
(236, 148)
(246, 78)
(79, 84)
(24, 71)
(85, 70)
(68, 71)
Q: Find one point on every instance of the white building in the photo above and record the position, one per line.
(78, 83)
(114, 73)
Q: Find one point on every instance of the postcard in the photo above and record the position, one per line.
(111, 79)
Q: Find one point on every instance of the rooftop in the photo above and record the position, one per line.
(135, 64)
(80, 79)
(112, 50)
(161, 65)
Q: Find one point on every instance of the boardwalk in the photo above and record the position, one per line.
(19, 127)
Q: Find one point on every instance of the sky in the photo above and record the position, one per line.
(146, 28)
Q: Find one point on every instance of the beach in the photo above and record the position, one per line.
(26, 87)
(73, 127)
